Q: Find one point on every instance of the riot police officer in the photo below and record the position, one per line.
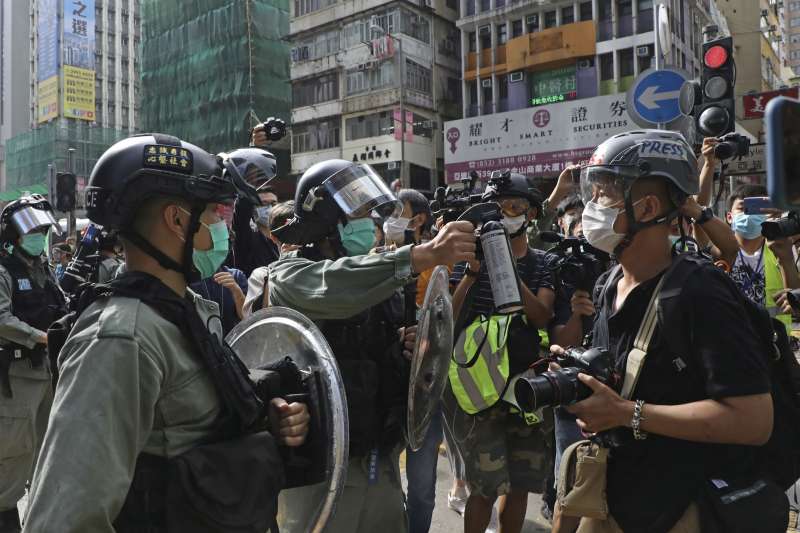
(29, 301)
(353, 297)
(148, 394)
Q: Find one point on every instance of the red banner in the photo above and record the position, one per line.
(754, 105)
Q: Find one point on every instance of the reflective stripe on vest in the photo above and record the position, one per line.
(479, 367)
(773, 283)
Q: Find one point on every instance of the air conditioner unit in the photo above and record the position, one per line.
(373, 20)
(484, 30)
(304, 54)
(765, 13)
(486, 83)
(391, 165)
(427, 3)
(642, 51)
(584, 64)
(514, 77)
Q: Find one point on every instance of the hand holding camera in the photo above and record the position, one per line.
(274, 129)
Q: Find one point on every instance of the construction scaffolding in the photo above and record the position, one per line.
(212, 68)
(29, 154)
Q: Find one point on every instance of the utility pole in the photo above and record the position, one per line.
(71, 214)
(399, 71)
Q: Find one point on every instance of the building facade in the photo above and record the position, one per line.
(360, 70)
(84, 89)
(14, 73)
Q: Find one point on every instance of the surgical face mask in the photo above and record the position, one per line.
(33, 244)
(358, 236)
(209, 261)
(261, 214)
(395, 229)
(598, 226)
(674, 239)
(513, 224)
(748, 226)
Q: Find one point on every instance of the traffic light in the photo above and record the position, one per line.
(65, 191)
(716, 114)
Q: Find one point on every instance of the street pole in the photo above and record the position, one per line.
(657, 45)
(403, 179)
(71, 214)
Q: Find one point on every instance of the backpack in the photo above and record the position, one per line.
(779, 458)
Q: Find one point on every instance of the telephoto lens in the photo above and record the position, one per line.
(562, 387)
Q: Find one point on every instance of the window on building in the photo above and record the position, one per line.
(422, 126)
(794, 5)
(624, 18)
(374, 77)
(416, 26)
(625, 62)
(606, 66)
(303, 7)
(473, 43)
(604, 24)
(794, 22)
(485, 5)
(794, 39)
(550, 19)
(317, 46)
(567, 15)
(452, 4)
(502, 93)
(453, 90)
(485, 35)
(502, 34)
(794, 54)
(586, 11)
(322, 135)
(488, 103)
(470, 7)
(315, 90)
(645, 60)
(418, 77)
(516, 28)
(532, 23)
(366, 126)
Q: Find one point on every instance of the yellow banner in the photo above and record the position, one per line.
(47, 106)
(78, 93)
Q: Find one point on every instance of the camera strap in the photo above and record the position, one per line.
(635, 362)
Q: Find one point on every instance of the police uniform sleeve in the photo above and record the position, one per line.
(12, 328)
(327, 290)
(101, 417)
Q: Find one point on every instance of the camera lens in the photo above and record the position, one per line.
(723, 150)
(549, 389)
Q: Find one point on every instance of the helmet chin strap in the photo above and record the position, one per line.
(635, 227)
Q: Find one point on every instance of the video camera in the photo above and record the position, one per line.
(579, 264)
(450, 203)
(562, 387)
(84, 263)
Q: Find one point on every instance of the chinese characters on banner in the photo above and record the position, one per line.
(47, 57)
(553, 86)
(78, 59)
(755, 104)
(398, 132)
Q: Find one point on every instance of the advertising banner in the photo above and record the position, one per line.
(754, 105)
(78, 50)
(47, 60)
(535, 141)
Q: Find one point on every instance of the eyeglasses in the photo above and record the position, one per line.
(514, 206)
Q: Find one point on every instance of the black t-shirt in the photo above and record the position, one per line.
(651, 482)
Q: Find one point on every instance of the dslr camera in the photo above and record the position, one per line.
(562, 387)
(781, 227)
(732, 145)
(578, 264)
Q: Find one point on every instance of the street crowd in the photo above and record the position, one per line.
(645, 382)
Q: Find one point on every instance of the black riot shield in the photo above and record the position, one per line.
(431, 359)
(264, 340)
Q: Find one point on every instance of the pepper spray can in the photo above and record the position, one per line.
(501, 266)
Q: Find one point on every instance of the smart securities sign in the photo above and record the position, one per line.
(534, 141)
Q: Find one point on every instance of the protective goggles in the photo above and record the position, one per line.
(514, 206)
(606, 185)
(359, 190)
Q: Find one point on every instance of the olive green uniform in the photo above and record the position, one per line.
(329, 290)
(129, 383)
(23, 418)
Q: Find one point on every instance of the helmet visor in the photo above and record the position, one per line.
(359, 190)
(246, 169)
(606, 185)
(31, 218)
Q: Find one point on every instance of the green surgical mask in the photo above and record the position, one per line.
(33, 244)
(209, 261)
(358, 236)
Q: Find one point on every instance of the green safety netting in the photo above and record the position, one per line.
(206, 64)
(12, 194)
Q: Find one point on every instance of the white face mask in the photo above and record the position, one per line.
(394, 229)
(598, 226)
(513, 224)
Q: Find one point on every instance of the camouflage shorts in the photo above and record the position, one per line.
(500, 451)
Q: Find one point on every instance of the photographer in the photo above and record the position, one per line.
(693, 416)
(565, 188)
(762, 269)
(520, 458)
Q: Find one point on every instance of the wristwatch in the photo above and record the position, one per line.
(470, 273)
(705, 215)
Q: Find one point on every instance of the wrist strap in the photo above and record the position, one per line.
(633, 366)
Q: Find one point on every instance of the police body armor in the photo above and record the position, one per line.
(35, 305)
(374, 372)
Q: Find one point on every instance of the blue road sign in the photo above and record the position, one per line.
(654, 97)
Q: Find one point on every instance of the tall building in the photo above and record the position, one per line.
(360, 70)
(83, 86)
(792, 34)
(14, 73)
(211, 69)
(544, 82)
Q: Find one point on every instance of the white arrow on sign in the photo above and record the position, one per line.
(650, 98)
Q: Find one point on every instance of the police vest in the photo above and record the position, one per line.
(38, 306)
(773, 283)
(479, 368)
(374, 373)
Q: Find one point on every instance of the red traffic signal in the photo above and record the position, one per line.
(715, 114)
(716, 56)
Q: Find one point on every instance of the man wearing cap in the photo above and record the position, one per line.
(30, 301)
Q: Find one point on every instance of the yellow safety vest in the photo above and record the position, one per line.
(479, 367)
(773, 283)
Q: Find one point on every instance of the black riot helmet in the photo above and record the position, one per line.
(25, 215)
(142, 167)
(511, 184)
(330, 192)
(254, 166)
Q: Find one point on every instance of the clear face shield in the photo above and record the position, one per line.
(30, 219)
(359, 190)
(605, 185)
(249, 169)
